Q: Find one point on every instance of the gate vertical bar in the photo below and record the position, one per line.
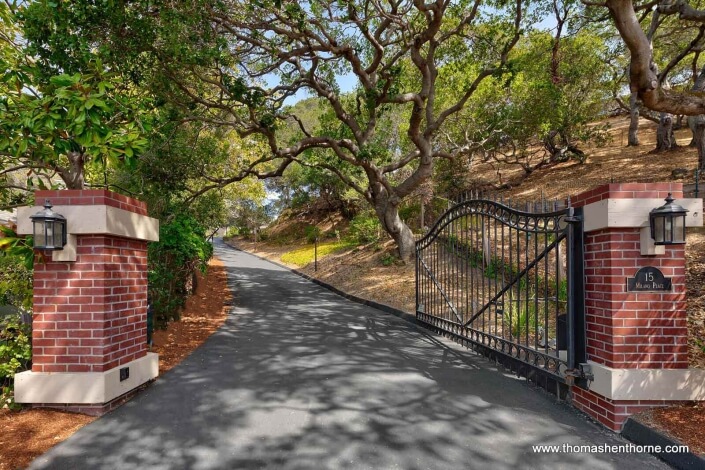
(577, 291)
(416, 274)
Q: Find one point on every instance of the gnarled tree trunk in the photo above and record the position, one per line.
(643, 74)
(665, 138)
(697, 125)
(633, 139)
(387, 210)
(74, 175)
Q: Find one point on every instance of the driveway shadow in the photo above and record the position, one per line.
(300, 378)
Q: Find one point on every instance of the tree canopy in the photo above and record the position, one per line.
(202, 94)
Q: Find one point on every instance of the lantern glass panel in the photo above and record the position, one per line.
(50, 233)
(679, 229)
(58, 234)
(39, 234)
(668, 228)
(659, 229)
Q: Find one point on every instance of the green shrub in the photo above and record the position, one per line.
(245, 232)
(312, 233)
(15, 354)
(15, 283)
(388, 259)
(563, 291)
(17, 247)
(519, 317)
(181, 250)
(410, 211)
(16, 258)
(365, 228)
(300, 199)
(333, 234)
(475, 258)
(494, 268)
(232, 232)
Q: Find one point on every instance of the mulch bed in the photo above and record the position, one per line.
(684, 423)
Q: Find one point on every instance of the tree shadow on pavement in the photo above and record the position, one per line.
(300, 378)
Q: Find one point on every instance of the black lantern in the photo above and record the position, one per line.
(668, 223)
(49, 229)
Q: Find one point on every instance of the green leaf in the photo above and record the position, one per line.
(64, 80)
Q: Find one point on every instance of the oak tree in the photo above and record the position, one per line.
(644, 77)
(238, 63)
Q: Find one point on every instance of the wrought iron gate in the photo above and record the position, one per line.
(508, 283)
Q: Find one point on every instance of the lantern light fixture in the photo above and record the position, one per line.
(668, 223)
(49, 229)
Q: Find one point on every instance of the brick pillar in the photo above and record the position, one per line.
(636, 341)
(90, 311)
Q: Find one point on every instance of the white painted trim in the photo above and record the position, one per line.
(97, 220)
(623, 213)
(648, 384)
(84, 387)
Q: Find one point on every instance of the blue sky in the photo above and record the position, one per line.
(346, 83)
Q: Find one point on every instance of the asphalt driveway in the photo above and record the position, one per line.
(300, 378)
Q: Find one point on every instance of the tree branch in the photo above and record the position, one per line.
(643, 76)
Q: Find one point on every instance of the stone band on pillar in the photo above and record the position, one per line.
(89, 341)
(636, 341)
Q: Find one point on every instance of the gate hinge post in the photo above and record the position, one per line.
(581, 374)
(586, 371)
(572, 217)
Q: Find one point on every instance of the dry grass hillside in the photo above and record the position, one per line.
(613, 163)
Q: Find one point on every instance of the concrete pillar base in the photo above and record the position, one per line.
(84, 389)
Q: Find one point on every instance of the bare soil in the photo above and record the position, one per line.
(614, 162)
(28, 433)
